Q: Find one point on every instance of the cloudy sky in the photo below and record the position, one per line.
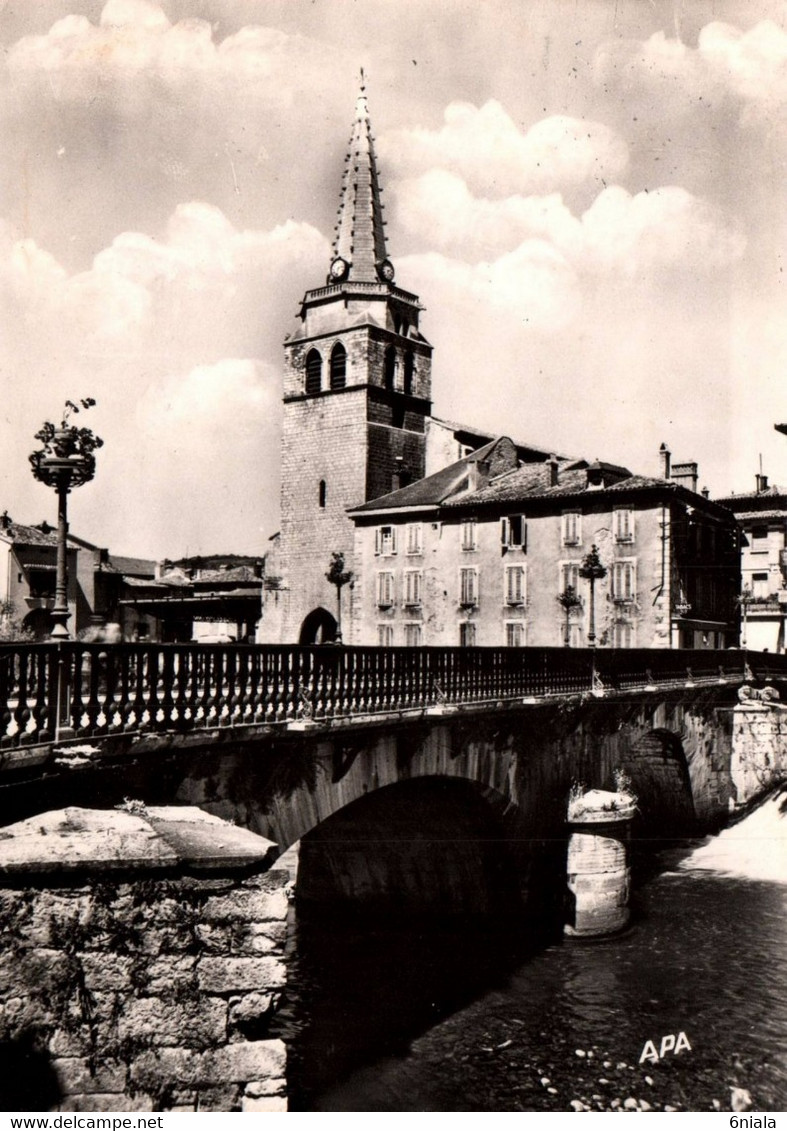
(589, 198)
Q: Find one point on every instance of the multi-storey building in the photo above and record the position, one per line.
(481, 553)
(762, 515)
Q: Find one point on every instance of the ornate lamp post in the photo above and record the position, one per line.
(338, 576)
(568, 600)
(744, 601)
(592, 569)
(65, 461)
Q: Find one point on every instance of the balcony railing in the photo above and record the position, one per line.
(50, 692)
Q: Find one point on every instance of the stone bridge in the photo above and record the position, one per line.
(432, 780)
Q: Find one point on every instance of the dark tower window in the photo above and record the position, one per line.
(409, 370)
(313, 372)
(390, 367)
(322, 492)
(338, 366)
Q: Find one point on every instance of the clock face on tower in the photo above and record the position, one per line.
(386, 270)
(339, 268)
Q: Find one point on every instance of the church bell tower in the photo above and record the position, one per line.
(357, 396)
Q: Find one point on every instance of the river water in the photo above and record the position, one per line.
(493, 1017)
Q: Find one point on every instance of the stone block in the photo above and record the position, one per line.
(163, 974)
(235, 975)
(107, 1102)
(254, 938)
(247, 1060)
(252, 906)
(196, 1024)
(265, 1103)
(268, 1087)
(214, 939)
(107, 972)
(224, 1098)
(75, 1076)
(251, 1008)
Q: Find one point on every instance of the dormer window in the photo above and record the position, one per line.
(313, 372)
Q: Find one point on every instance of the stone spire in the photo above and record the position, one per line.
(359, 246)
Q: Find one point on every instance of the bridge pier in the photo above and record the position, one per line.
(598, 862)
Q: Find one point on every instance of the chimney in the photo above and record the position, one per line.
(705, 492)
(478, 473)
(552, 464)
(762, 483)
(664, 461)
(5, 520)
(686, 474)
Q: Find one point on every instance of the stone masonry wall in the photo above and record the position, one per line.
(149, 995)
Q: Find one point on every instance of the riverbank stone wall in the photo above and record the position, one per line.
(141, 963)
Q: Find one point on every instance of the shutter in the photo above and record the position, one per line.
(505, 532)
(377, 540)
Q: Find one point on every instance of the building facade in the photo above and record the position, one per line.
(762, 515)
(485, 552)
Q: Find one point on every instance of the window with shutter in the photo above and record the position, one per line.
(385, 540)
(624, 581)
(385, 588)
(414, 537)
(623, 524)
(572, 528)
(513, 532)
(412, 587)
(468, 586)
(569, 576)
(623, 634)
(467, 635)
(515, 585)
(413, 635)
(468, 534)
(515, 634)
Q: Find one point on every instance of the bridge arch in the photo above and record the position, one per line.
(658, 767)
(428, 845)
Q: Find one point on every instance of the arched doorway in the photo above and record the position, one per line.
(319, 627)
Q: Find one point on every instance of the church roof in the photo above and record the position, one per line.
(360, 235)
(431, 491)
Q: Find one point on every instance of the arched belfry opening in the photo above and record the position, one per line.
(313, 372)
(338, 366)
(319, 627)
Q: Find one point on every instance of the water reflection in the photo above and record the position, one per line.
(467, 1017)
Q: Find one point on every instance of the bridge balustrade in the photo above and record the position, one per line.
(53, 691)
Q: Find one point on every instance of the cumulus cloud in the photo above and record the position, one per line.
(493, 155)
(662, 230)
(749, 67)
(151, 330)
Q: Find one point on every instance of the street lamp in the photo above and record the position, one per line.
(744, 601)
(338, 576)
(65, 461)
(592, 569)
